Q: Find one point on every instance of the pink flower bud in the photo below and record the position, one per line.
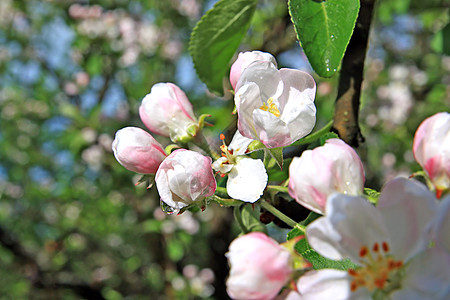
(260, 267)
(318, 173)
(167, 111)
(431, 148)
(137, 150)
(244, 60)
(185, 177)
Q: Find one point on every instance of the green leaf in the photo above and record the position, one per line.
(277, 155)
(327, 136)
(372, 195)
(250, 218)
(320, 262)
(311, 217)
(216, 38)
(324, 29)
(317, 260)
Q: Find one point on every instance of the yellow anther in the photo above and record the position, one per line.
(271, 107)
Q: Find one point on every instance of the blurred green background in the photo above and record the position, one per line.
(72, 223)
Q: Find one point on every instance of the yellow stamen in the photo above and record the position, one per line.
(271, 107)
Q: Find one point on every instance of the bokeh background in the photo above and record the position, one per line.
(73, 224)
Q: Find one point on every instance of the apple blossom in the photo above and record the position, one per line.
(384, 241)
(274, 106)
(247, 177)
(183, 178)
(431, 148)
(260, 267)
(166, 111)
(137, 150)
(244, 60)
(318, 173)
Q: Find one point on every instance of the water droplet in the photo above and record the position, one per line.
(328, 69)
(347, 182)
(332, 37)
(168, 209)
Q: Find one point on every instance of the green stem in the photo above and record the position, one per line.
(314, 136)
(225, 201)
(238, 218)
(277, 188)
(270, 208)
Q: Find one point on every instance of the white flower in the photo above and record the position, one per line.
(247, 177)
(387, 242)
(274, 106)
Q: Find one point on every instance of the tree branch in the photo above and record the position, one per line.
(346, 112)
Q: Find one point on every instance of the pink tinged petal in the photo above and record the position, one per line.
(326, 284)
(189, 177)
(308, 180)
(247, 180)
(271, 131)
(244, 60)
(407, 207)
(260, 267)
(356, 224)
(266, 76)
(166, 110)
(318, 173)
(137, 150)
(427, 276)
(431, 148)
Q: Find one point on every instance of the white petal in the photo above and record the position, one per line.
(324, 239)
(266, 76)
(247, 99)
(239, 143)
(441, 225)
(325, 284)
(427, 277)
(247, 180)
(271, 131)
(300, 81)
(354, 223)
(407, 207)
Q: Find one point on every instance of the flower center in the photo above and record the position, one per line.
(271, 107)
(377, 270)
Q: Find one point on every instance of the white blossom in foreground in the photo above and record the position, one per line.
(244, 60)
(185, 177)
(332, 168)
(166, 111)
(259, 267)
(431, 148)
(247, 177)
(274, 106)
(388, 243)
(137, 150)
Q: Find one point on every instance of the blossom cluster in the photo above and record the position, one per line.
(393, 245)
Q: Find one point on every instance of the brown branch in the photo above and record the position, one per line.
(348, 99)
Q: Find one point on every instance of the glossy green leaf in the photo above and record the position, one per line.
(324, 29)
(320, 262)
(216, 38)
(317, 260)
